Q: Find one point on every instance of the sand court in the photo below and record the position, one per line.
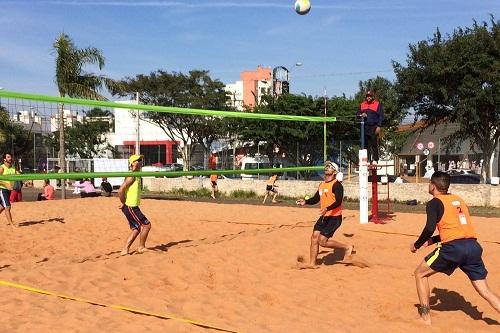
(232, 266)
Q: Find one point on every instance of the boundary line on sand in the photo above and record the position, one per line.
(116, 307)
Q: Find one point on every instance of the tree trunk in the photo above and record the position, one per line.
(486, 167)
(62, 155)
(498, 160)
(185, 156)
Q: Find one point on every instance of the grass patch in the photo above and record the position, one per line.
(244, 194)
(201, 192)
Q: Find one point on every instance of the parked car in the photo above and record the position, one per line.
(197, 167)
(463, 176)
(152, 168)
(176, 167)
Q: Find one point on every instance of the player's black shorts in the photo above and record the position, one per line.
(135, 217)
(327, 225)
(270, 188)
(214, 184)
(4, 198)
(461, 253)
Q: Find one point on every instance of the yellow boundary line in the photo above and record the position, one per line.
(116, 307)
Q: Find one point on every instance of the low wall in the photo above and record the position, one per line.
(474, 195)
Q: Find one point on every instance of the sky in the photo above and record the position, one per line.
(339, 42)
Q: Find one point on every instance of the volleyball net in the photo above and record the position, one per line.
(174, 141)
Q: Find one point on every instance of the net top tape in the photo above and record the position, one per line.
(164, 109)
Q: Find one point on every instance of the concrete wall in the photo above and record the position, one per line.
(474, 195)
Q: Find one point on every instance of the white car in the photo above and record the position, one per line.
(152, 168)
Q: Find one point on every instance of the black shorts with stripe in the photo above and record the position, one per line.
(135, 217)
(327, 225)
(270, 188)
(460, 253)
(4, 197)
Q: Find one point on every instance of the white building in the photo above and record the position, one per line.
(70, 118)
(33, 122)
(235, 93)
(155, 145)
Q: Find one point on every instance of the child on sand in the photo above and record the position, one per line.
(213, 181)
(271, 188)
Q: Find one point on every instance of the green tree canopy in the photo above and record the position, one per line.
(14, 138)
(194, 90)
(456, 78)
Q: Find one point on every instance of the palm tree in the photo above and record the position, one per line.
(73, 81)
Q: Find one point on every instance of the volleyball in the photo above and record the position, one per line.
(302, 7)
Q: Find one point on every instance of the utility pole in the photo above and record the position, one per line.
(138, 125)
(62, 153)
(324, 131)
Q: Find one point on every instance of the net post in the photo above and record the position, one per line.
(374, 218)
(363, 186)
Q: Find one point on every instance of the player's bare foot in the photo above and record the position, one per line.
(142, 250)
(309, 266)
(348, 252)
(274, 201)
(124, 252)
(425, 321)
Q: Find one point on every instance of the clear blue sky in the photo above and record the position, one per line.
(339, 42)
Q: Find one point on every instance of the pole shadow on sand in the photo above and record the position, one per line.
(55, 219)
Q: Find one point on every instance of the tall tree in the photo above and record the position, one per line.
(196, 90)
(456, 78)
(14, 138)
(73, 81)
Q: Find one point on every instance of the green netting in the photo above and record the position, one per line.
(199, 112)
(168, 174)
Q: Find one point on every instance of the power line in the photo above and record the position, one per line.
(342, 74)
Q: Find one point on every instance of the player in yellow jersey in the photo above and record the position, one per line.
(6, 187)
(130, 197)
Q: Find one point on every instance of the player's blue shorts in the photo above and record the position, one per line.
(460, 253)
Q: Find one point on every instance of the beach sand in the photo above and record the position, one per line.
(231, 266)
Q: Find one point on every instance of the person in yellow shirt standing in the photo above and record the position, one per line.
(330, 195)
(130, 197)
(6, 169)
(271, 188)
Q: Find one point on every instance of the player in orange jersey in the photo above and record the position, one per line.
(457, 245)
(330, 195)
